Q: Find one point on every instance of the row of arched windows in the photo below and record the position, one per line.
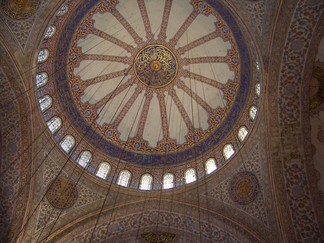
(68, 142)
(146, 181)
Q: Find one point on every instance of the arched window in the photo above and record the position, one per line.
(210, 165)
(67, 143)
(50, 31)
(42, 55)
(146, 182)
(54, 124)
(103, 170)
(41, 79)
(84, 158)
(253, 111)
(258, 89)
(190, 175)
(168, 181)
(45, 102)
(124, 178)
(62, 10)
(228, 151)
(242, 133)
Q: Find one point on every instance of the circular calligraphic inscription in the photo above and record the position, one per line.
(244, 188)
(62, 193)
(155, 66)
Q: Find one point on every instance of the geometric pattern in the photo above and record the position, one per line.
(244, 187)
(47, 214)
(256, 208)
(62, 193)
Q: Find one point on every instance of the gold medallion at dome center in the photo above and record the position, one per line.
(155, 66)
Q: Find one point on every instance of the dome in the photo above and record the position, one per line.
(145, 89)
(161, 121)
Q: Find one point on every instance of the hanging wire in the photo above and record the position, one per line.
(222, 218)
(195, 149)
(146, 193)
(182, 215)
(65, 64)
(317, 116)
(35, 107)
(119, 162)
(172, 190)
(111, 218)
(83, 170)
(115, 176)
(142, 212)
(125, 165)
(205, 174)
(96, 148)
(163, 172)
(33, 175)
(71, 152)
(68, 158)
(40, 165)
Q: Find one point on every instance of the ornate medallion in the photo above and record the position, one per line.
(244, 188)
(155, 66)
(62, 193)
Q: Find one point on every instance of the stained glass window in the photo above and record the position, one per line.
(41, 79)
(54, 124)
(210, 165)
(62, 10)
(45, 102)
(103, 170)
(253, 111)
(228, 151)
(258, 89)
(242, 133)
(67, 143)
(50, 31)
(168, 181)
(42, 55)
(146, 182)
(124, 178)
(190, 175)
(84, 158)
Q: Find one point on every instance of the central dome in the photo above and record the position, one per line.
(155, 66)
(145, 86)
(155, 83)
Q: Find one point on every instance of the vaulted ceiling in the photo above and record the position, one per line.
(156, 87)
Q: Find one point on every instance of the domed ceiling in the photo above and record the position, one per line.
(151, 83)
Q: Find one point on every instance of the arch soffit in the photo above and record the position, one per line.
(285, 117)
(136, 210)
